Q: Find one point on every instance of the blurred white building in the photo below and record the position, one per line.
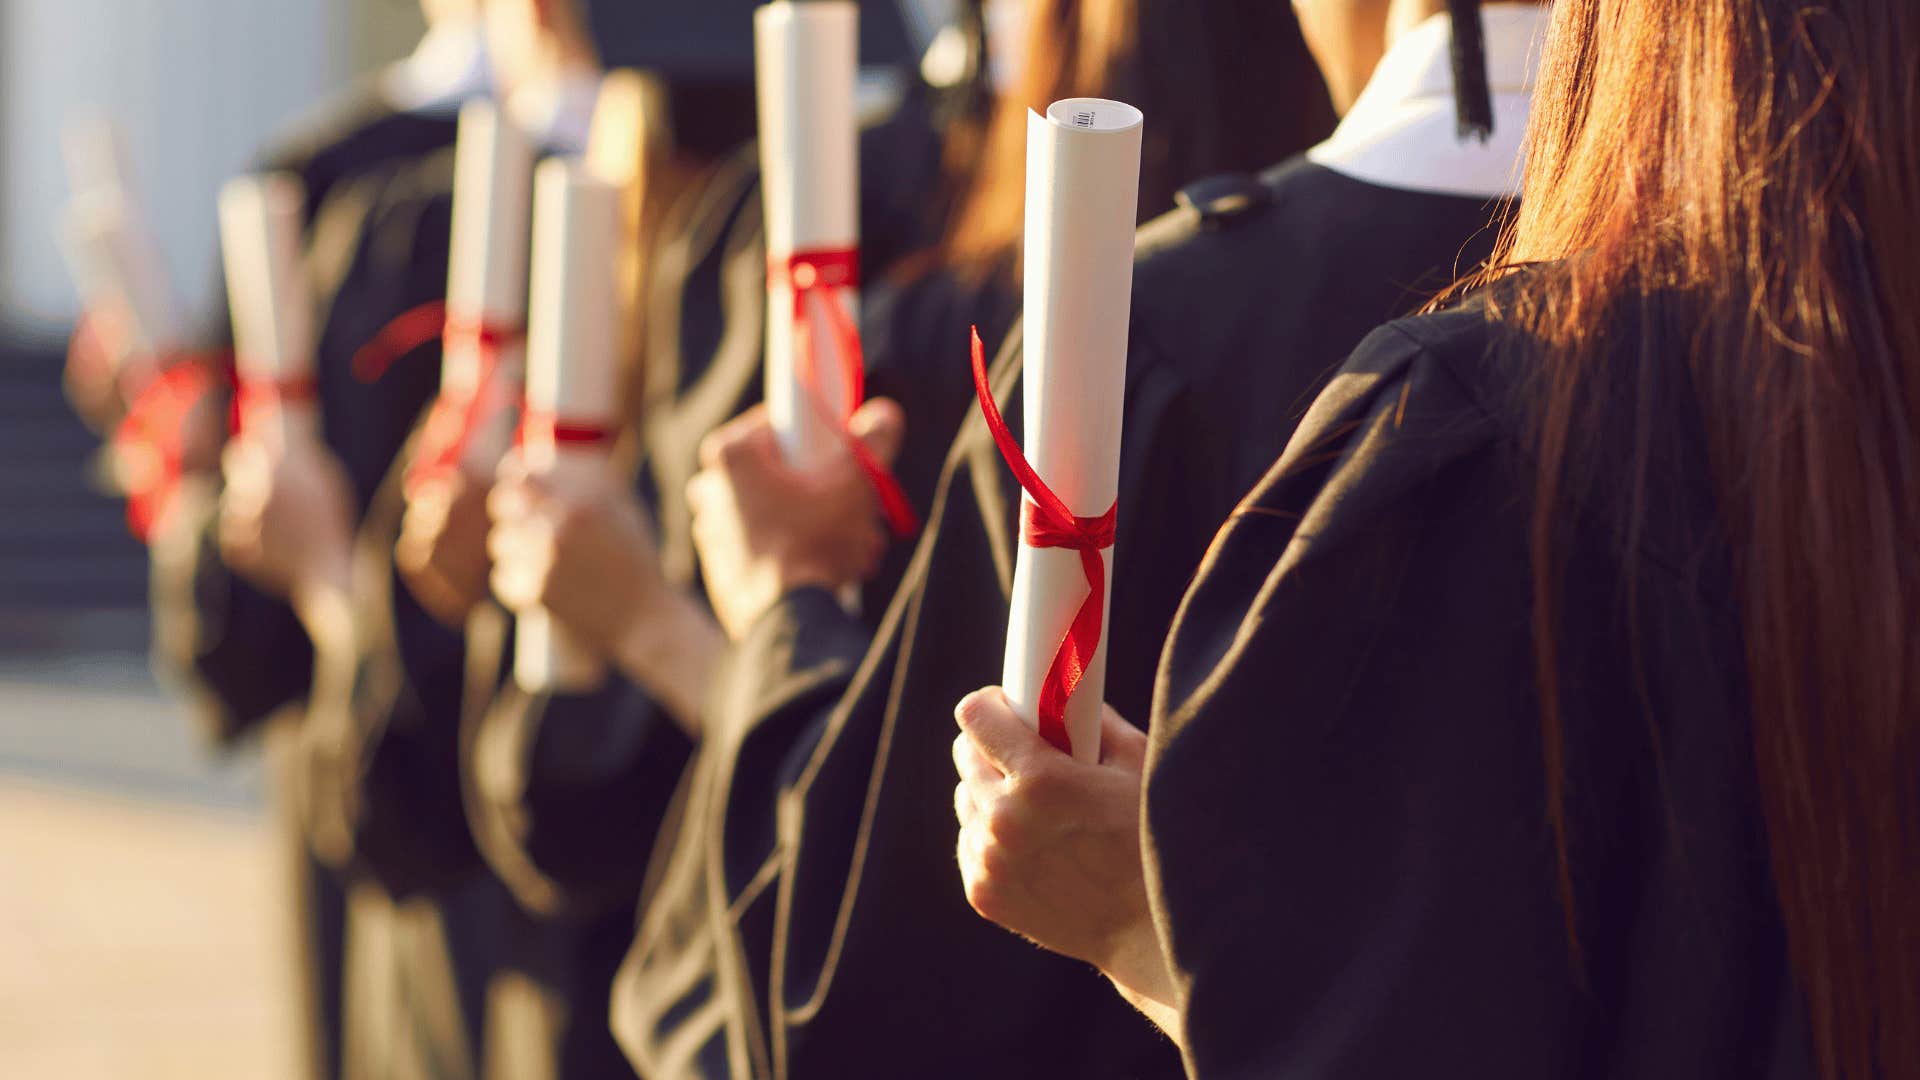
(196, 85)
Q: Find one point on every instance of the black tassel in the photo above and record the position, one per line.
(1473, 102)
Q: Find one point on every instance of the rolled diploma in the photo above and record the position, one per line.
(267, 290)
(807, 64)
(487, 278)
(1083, 183)
(95, 149)
(572, 373)
(118, 267)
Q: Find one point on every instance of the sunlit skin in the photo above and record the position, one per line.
(1050, 847)
(442, 550)
(765, 528)
(286, 524)
(587, 555)
(1348, 37)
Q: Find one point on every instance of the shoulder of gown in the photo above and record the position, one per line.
(1346, 802)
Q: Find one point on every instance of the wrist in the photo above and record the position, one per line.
(1135, 963)
(669, 647)
(322, 598)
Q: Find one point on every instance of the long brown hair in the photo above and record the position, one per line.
(1759, 160)
(1226, 85)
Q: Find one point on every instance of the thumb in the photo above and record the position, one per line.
(989, 720)
(729, 439)
(881, 424)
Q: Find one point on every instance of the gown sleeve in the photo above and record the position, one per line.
(1347, 844)
(380, 782)
(566, 793)
(240, 654)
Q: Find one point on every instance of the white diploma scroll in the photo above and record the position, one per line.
(807, 64)
(572, 377)
(117, 264)
(95, 149)
(1083, 184)
(261, 223)
(487, 276)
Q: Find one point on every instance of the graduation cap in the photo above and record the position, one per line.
(1473, 101)
(713, 39)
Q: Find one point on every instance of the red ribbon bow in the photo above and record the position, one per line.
(150, 442)
(451, 423)
(821, 275)
(1046, 522)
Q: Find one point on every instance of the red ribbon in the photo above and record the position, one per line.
(153, 434)
(251, 396)
(821, 276)
(451, 423)
(542, 426)
(1046, 522)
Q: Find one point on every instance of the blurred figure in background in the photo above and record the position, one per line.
(568, 790)
(732, 919)
(1568, 725)
(431, 943)
(214, 628)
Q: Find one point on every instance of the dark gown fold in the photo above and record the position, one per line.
(1346, 805)
(810, 921)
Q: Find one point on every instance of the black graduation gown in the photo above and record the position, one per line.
(811, 922)
(213, 629)
(566, 792)
(908, 333)
(239, 654)
(1346, 806)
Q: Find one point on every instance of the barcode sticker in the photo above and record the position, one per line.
(1084, 118)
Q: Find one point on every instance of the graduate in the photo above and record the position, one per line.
(829, 951)
(1548, 708)
(235, 649)
(378, 679)
(404, 112)
(564, 790)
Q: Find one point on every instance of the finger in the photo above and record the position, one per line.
(512, 468)
(514, 500)
(1121, 744)
(705, 492)
(973, 766)
(998, 731)
(726, 438)
(881, 424)
(501, 584)
(505, 542)
(962, 804)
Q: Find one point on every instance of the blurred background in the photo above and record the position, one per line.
(139, 932)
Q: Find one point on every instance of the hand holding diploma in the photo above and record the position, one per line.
(567, 428)
(584, 554)
(807, 66)
(765, 527)
(441, 552)
(286, 518)
(1050, 846)
(286, 521)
